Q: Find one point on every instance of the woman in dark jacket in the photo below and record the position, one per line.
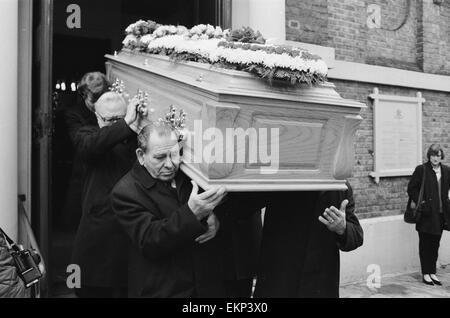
(91, 86)
(434, 206)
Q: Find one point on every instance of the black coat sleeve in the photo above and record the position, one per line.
(153, 236)
(92, 142)
(414, 183)
(74, 122)
(353, 236)
(77, 117)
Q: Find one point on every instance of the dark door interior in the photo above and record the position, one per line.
(42, 133)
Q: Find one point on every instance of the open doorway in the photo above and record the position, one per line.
(74, 49)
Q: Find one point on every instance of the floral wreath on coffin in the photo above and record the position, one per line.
(242, 49)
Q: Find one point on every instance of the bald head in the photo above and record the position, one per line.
(109, 108)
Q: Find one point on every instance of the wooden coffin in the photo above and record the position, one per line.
(310, 129)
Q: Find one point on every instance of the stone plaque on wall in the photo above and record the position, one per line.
(397, 134)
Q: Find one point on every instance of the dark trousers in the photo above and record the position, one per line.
(428, 252)
(239, 288)
(100, 292)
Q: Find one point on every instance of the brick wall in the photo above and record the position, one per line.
(413, 34)
(345, 33)
(307, 21)
(434, 37)
(395, 43)
(389, 196)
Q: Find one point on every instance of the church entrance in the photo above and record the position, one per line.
(72, 38)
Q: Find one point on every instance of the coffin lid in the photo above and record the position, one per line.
(226, 83)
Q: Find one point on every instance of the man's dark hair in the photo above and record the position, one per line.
(160, 128)
(434, 151)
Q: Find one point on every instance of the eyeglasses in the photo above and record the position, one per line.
(112, 119)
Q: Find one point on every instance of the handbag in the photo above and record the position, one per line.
(26, 261)
(411, 215)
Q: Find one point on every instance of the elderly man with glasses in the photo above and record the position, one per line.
(107, 150)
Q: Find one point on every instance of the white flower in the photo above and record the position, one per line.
(159, 32)
(215, 55)
(194, 30)
(322, 67)
(299, 64)
(146, 39)
(181, 29)
(129, 39)
(129, 29)
(270, 60)
(210, 30)
(218, 32)
(173, 29)
(132, 26)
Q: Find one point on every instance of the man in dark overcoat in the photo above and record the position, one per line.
(107, 150)
(172, 227)
(302, 236)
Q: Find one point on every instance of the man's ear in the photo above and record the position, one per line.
(100, 122)
(140, 156)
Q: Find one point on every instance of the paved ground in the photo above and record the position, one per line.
(401, 286)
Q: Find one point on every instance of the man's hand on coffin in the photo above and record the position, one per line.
(204, 203)
(334, 219)
(138, 124)
(213, 227)
(132, 116)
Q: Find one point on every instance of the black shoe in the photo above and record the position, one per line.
(436, 282)
(428, 283)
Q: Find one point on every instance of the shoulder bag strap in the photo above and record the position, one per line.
(10, 242)
(421, 187)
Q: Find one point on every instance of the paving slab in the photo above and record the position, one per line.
(406, 285)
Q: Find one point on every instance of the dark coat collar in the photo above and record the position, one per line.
(141, 174)
(430, 166)
(430, 173)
